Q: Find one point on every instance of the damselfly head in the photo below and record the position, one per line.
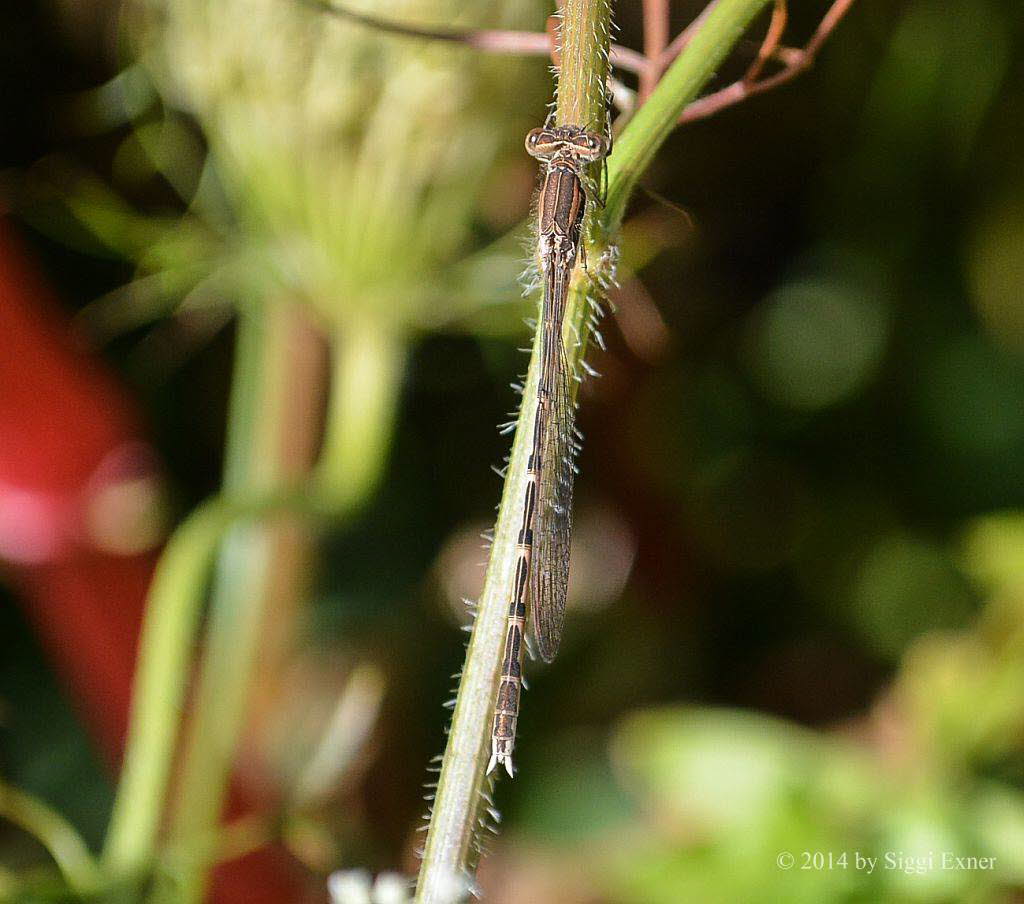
(566, 142)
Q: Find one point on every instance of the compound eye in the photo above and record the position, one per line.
(541, 143)
(591, 144)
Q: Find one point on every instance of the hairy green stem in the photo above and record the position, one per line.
(449, 857)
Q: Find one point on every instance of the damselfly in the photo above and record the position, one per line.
(542, 564)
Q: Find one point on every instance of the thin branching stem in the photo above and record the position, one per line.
(770, 45)
(648, 66)
(679, 42)
(165, 653)
(706, 49)
(491, 40)
(795, 60)
(56, 834)
(656, 28)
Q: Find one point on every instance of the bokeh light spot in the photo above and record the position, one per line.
(906, 586)
(817, 342)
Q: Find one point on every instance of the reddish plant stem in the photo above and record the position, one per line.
(656, 25)
(490, 40)
(680, 41)
(551, 26)
(799, 60)
(658, 51)
(771, 41)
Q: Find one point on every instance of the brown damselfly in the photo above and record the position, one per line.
(541, 576)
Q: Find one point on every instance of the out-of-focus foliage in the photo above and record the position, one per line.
(728, 805)
(317, 160)
(350, 164)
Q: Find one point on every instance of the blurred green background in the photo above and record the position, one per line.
(798, 578)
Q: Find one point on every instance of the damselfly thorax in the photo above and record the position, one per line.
(537, 599)
(561, 204)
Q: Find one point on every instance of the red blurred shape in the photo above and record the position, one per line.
(61, 417)
(67, 431)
